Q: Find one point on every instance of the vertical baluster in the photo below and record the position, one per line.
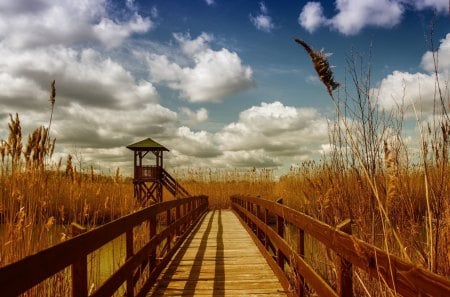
(152, 233)
(177, 218)
(301, 252)
(129, 250)
(258, 215)
(168, 222)
(266, 222)
(79, 268)
(280, 231)
(344, 267)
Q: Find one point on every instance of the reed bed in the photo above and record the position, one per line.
(39, 200)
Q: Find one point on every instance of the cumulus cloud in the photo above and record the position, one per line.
(264, 136)
(26, 24)
(75, 125)
(83, 76)
(312, 16)
(403, 89)
(442, 57)
(274, 127)
(197, 144)
(262, 21)
(354, 15)
(194, 117)
(212, 76)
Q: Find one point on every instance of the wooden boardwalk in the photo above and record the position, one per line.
(219, 258)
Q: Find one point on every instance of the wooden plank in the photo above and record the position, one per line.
(219, 259)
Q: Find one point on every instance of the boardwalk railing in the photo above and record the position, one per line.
(180, 217)
(405, 278)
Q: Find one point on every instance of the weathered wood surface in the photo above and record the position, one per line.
(219, 258)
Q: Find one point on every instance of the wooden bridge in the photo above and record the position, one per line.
(189, 250)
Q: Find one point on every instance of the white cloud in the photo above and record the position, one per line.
(26, 24)
(274, 128)
(210, 2)
(194, 117)
(192, 47)
(403, 89)
(442, 57)
(249, 158)
(82, 76)
(197, 144)
(312, 16)
(112, 33)
(264, 136)
(354, 15)
(262, 21)
(213, 75)
(438, 5)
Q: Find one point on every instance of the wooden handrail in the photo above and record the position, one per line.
(407, 279)
(21, 276)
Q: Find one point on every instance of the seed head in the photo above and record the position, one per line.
(321, 66)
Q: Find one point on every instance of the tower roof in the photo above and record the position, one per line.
(147, 144)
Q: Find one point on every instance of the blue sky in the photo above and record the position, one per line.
(220, 83)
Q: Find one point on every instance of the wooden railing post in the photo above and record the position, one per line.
(280, 231)
(152, 233)
(130, 252)
(184, 226)
(258, 215)
(253, 224)
(79, 268)
(344, 267)
(266, 222)
(177, 217)
(301, 253)
(168, 221)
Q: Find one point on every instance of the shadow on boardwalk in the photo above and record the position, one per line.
(218, 259)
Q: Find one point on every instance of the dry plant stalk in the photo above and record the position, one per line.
(392, 176)
(321, 65)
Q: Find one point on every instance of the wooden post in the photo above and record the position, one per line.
(152, 233)
(344, 267)
(130, 252)
(266, 222)
(280, 231)
(168, 221)
(301, 253)
(258, 215)
(79, 268)
(177, 217)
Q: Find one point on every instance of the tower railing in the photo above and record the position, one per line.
(147, 172)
